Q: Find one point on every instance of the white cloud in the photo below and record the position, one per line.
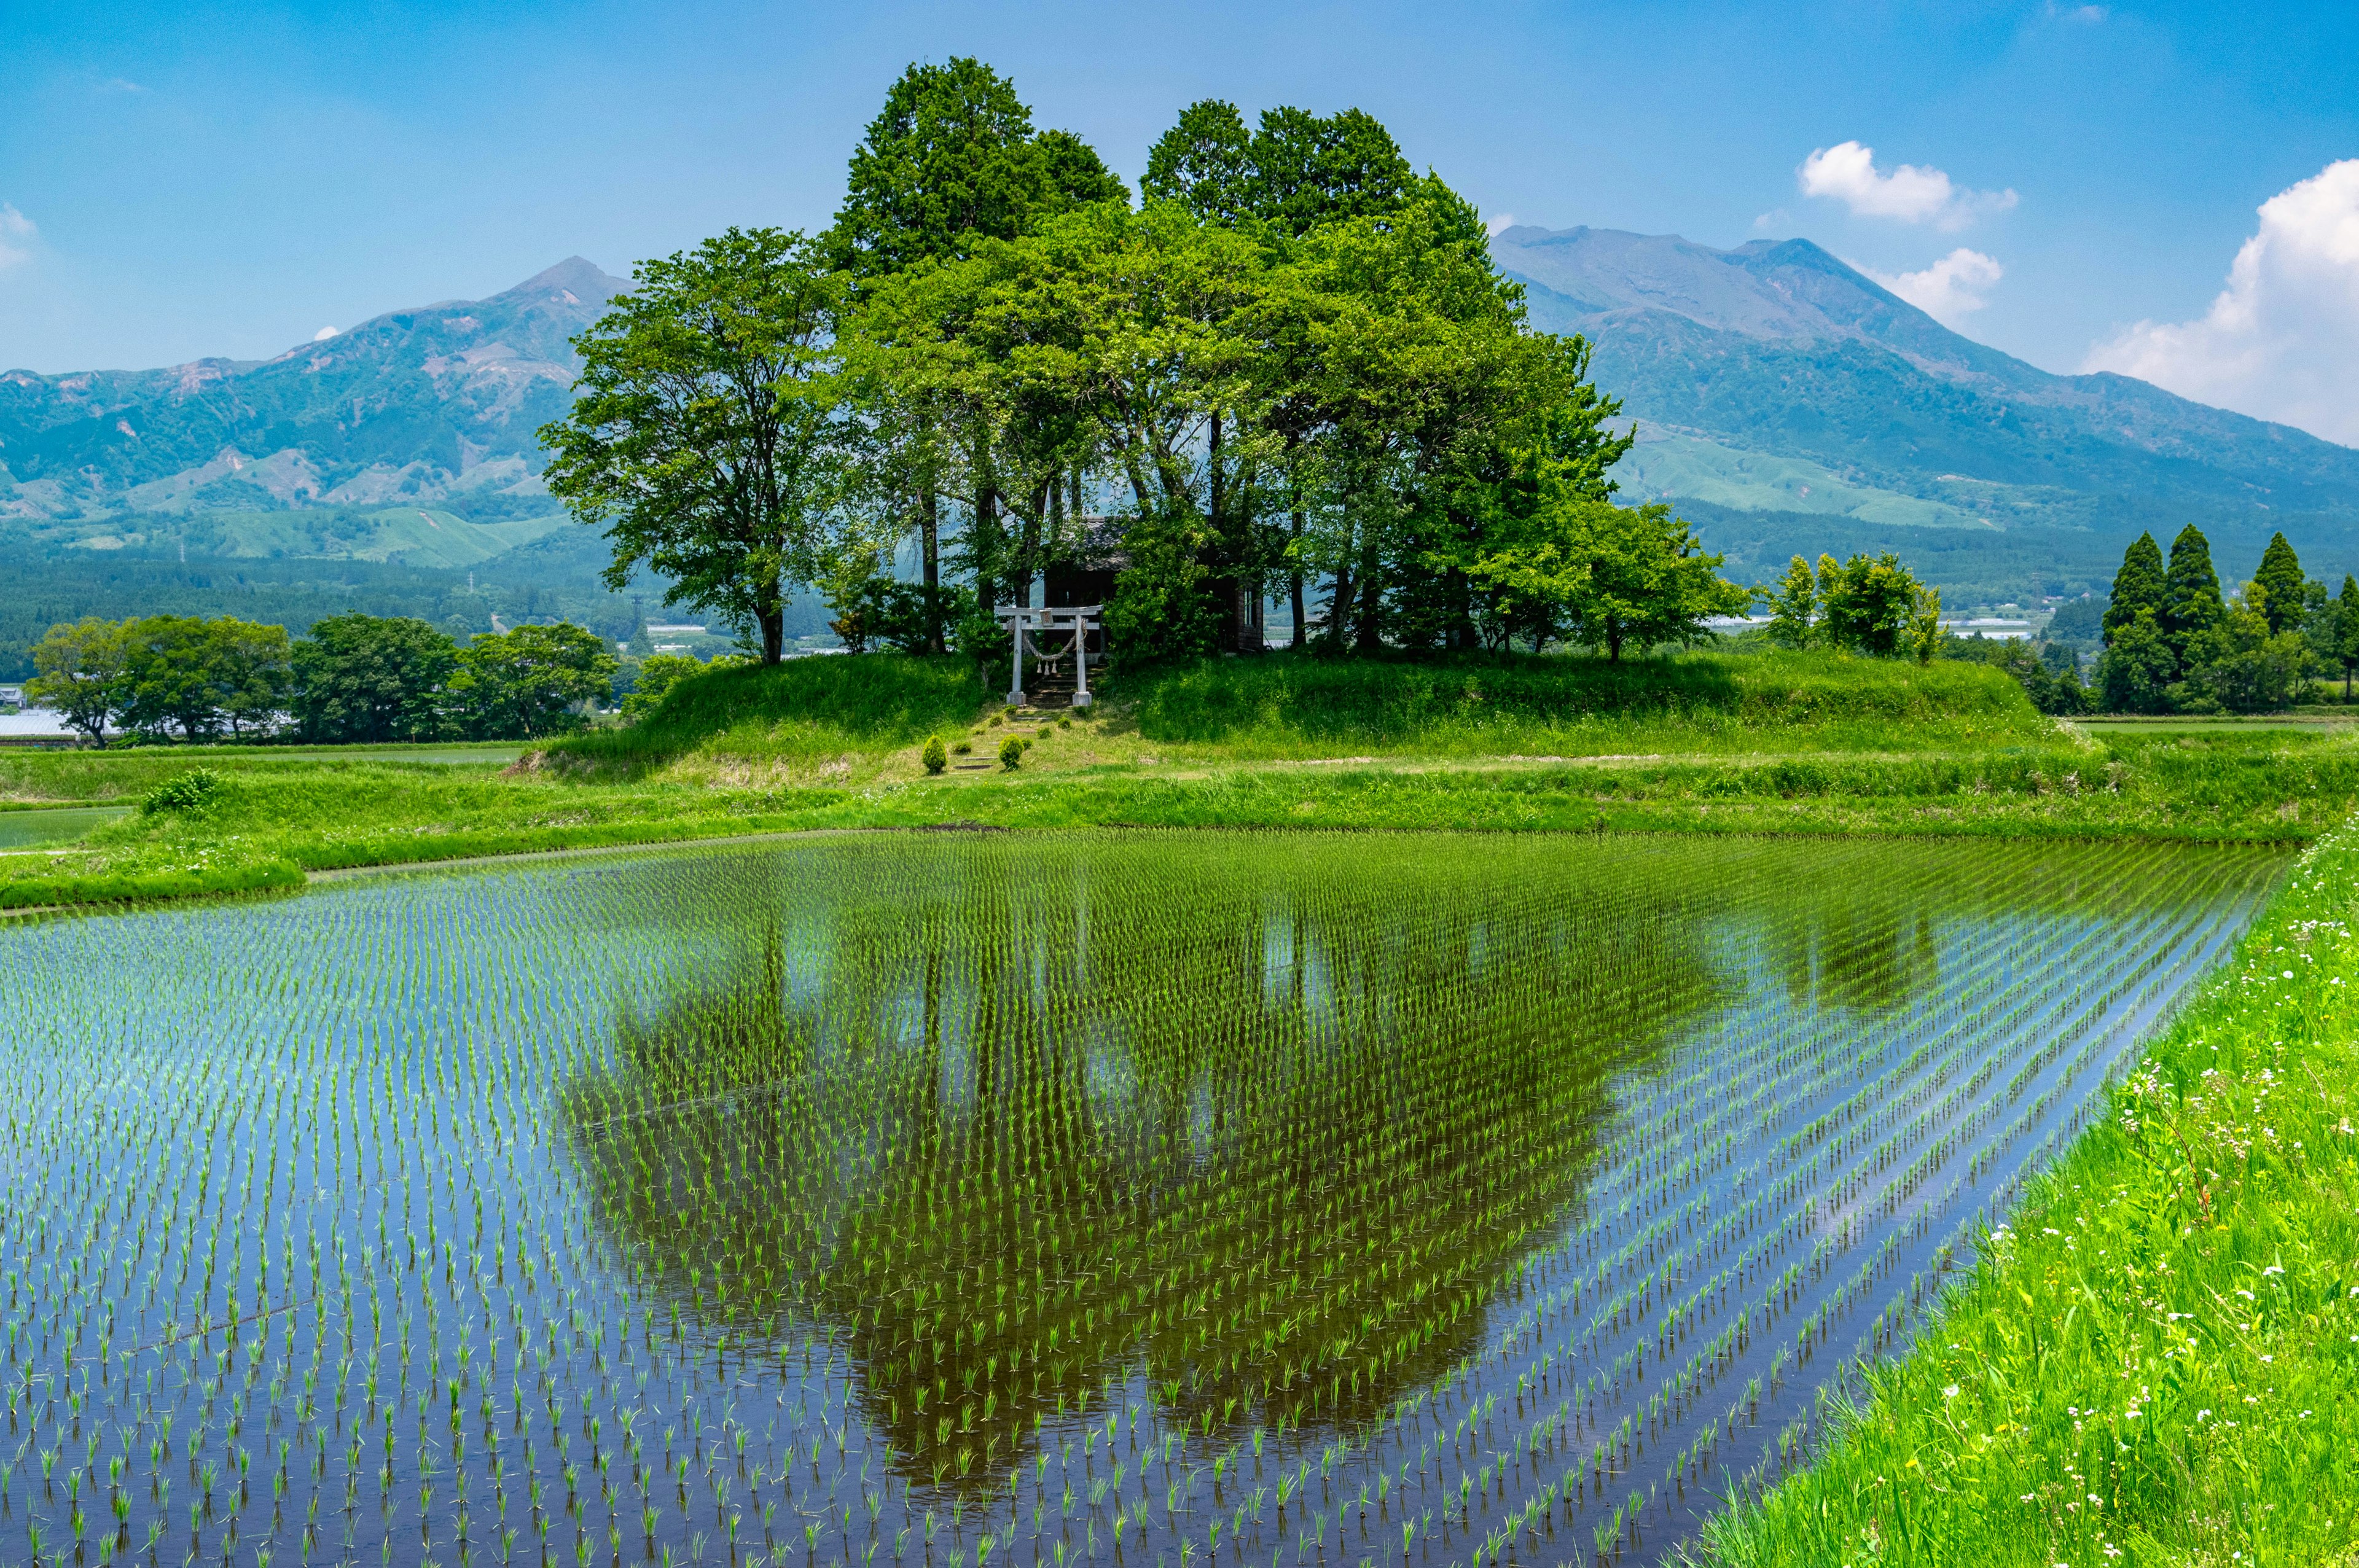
(16, 232)
(323, 334)
(1951, 289)
(2281, 342)
(1499, 222)
(1847, 173)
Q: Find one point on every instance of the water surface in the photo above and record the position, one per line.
(952, 1199)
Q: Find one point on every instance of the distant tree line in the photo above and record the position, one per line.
(1288, 369)
(2173, 644)
(353, 679)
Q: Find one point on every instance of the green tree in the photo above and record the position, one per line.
(531, 682)
(2346, 630)
(252, 672)
(950, 161)
(1206, 163)
(1650, 581)
(2137, 668)
(2192, 605)
(2281, 582)
(2239, 664)
(360, 680)
(706, 436)
(172, 677)
(657, 674)
(950, 164)
(83, 669)
(1867, 604)
(1619, 576)
(2137, 586)
(1793, 606)
(1298, 172)
(1925, 626)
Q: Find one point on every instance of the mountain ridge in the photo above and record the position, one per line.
(1780, 349)
(436, 402)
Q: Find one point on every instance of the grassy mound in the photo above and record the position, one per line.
(1289, 705)
(801, 709)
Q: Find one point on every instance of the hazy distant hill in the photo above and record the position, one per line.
(1792, 395)
(436, 403)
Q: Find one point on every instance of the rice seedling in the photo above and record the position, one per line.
(986, 1199)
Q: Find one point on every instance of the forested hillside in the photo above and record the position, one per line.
(1775, 382)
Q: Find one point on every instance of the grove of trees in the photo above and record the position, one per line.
(2174, 645)
(356, 678)
(1289, 367)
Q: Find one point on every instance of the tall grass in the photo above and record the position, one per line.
(2157, 1360)
(1289, 706)
(803, 707)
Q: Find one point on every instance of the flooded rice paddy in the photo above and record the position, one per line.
(963, 1200)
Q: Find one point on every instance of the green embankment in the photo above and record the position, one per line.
(1739, 744)
(2156, 1359)
(811, 708)
(1292, 706)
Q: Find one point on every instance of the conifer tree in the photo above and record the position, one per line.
(2281, 585)
(2137, 586)
(2191, 604)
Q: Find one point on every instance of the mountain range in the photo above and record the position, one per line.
(438, 404)
(1780, 393)
(1784, 400)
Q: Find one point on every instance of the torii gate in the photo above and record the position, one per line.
(1081, 620)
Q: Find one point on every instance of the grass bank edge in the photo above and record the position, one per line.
(2155, 1358)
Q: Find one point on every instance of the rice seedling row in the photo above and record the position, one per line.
(1059, 1199)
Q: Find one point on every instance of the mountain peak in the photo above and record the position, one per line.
(572, 281)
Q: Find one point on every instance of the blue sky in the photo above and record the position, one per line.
(200, 179)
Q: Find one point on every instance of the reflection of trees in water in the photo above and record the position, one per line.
(1269, 1127)
(1868, 954)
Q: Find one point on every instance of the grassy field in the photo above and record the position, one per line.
(2156, 1359)
(1717, 743)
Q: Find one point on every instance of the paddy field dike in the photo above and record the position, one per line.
(1775, 1109)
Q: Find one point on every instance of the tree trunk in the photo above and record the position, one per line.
(1294, 583)
(1372, 591)
(985, 546)
(773, 618)
(1612, 640)
(929, 534)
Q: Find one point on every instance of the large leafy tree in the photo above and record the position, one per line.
(1415, 404)
(2137, 586)
(707, 437)
(252, 672)
(1869, 603)
(172, 681)
(1619, 578)
(361, 678)
(1793, 605)
(531, 682)
(1298, 172)
(83, 671)
(1119, 339)
(950, 164)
